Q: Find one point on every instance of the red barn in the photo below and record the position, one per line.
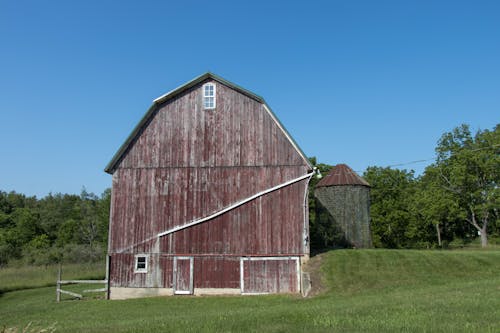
(209, 195)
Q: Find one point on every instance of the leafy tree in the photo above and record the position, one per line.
(55, 210)
(5, 205)
(89, 222)
(26, 224)
(9, 246)
(391, 215)
(321, 229)
(67, 233)
(103, 206)
(40, 231)
(434, 209)
(469, 170)
(37, 251)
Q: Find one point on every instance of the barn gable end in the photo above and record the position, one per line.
(255, 124)
(212, 187)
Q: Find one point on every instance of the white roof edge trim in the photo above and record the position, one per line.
(156, 100)
(294, 144)
(220, 212)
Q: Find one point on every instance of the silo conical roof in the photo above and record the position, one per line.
(342, 174)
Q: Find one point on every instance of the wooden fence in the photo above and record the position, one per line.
(60, 282)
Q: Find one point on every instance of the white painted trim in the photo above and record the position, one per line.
(299, 275)
(220, 212)
(191, 270)
(136, 258)
(271, 114)
(242, 279)
(306, 238)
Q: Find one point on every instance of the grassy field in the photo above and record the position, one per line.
(364, 291)
(26, 277)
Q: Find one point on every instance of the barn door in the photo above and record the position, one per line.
(183, 275)
(263, 275)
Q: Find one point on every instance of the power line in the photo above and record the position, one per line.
(427, 159)
(411, 162)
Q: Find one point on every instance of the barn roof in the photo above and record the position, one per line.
(111, 167)
(341, 174)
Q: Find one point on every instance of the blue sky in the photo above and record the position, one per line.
(357, 82)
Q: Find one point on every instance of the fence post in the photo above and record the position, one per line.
(58, 284)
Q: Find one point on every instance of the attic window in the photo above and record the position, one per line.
(209, 96)
(141, 263)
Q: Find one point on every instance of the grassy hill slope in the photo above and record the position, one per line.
(363, 291)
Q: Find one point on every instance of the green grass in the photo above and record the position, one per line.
(351, 272)
(368, 291)
(26, 277)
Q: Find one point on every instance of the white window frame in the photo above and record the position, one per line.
(136, 261)
(209, 84)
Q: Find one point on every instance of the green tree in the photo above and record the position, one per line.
(469, 170)
(40, 231)
(321, 228)
(391, 215)
(435, 210)
(103, 207)
(26, 224)
(54, 210)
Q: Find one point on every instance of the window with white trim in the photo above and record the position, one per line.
(209, 96)
(141, 263)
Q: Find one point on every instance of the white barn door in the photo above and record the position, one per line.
(183, 275)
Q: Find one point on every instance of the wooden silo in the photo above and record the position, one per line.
(346, 196)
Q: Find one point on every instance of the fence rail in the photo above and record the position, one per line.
(60, 283)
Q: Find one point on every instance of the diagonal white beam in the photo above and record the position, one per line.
(220, 212)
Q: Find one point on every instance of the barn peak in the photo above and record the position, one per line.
(204, 77)
(162, 100)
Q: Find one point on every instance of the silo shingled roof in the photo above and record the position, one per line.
(341, 174)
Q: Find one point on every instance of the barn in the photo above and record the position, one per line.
(209, 196)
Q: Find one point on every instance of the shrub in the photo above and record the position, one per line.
(80, 253)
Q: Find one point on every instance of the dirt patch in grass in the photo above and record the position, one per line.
(313, 267)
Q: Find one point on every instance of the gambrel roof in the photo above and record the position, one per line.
(113, 164)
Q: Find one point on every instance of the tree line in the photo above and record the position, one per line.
(58, 227)
(454, 201)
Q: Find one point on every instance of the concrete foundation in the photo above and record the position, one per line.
(127, 293)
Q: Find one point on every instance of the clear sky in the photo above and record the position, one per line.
(357, 82)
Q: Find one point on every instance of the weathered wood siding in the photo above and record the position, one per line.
(260, 275)
(155, 200)
(239, 132)
(188, 163)
(121, 272)
(217, 272)
(270, 276)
